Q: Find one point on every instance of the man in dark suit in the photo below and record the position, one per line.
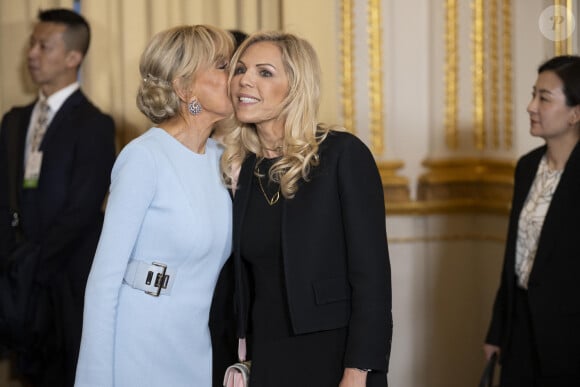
(59, 151)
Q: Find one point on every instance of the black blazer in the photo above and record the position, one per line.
(335, 253)
(63, 215)
(553, 295)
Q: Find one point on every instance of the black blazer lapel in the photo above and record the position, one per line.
(19, 140)
(524, 177)
(63, 114)
(242, 196)
(559, 215)
(239, 209)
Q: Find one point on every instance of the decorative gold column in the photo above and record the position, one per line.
(376, 78)
(507, 73)
(494, 68)
(559, 48)
(569, 7)
(475, 183)
(479, 131)
(467, 184)
(563, 30)
(396, 188)
(347, 62)
(451, 71)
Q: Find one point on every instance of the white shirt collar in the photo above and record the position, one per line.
(56, 100)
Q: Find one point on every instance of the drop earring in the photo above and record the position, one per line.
(194, 107)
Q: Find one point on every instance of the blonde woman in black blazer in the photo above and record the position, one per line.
(536, 317)
(311, 258)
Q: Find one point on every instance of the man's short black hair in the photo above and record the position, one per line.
(78, 32)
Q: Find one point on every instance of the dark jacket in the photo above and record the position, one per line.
(334, 247)
(553, 296)
(63, 215)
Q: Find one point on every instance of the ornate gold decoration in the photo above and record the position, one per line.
(347, 61)
(507, 73)
(466, 184)
(494, 70)
(563, 37)
(451, 71)
(376, 78)
(490, 73)
(569, 29)
(558, 46)
(451, 186)
(396, 188)
(449, 238)
(478, 74)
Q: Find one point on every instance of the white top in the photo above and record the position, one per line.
(532, 219)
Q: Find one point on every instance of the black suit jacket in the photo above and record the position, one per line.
(553, 295)
(335, 253)
(63, 215)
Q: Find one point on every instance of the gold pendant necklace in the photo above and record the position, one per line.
(274, 199)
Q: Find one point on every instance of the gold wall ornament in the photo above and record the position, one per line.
(457, 237)
(376, 79)
(491, 70)
(563, 26)
(569, 27)
(507, 73)
(395, 187)
(494, 70)
(558, 46)
(347, 62)
(451, 74)
(478, 45)
(471, 184)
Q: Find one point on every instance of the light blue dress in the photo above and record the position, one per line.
(166, 204)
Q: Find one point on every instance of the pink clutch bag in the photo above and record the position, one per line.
(238, 374)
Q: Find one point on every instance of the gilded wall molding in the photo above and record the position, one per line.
(347, 62)
(477, 237)
(558, 46)
(491, 74)
(563, 31)
(451, 186)
(494, 69)
(395, 187)
(478, 46)
(506, 14)
(466, 184)
(451, 74)
(376, 79)
(569, 50)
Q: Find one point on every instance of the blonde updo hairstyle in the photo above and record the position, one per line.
(171, 60)
(299, 109)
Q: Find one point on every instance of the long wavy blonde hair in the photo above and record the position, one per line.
(302, 132)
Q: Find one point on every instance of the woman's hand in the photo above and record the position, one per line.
(489, 349)
(353, 377)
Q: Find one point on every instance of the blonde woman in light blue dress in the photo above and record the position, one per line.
(167, 230)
